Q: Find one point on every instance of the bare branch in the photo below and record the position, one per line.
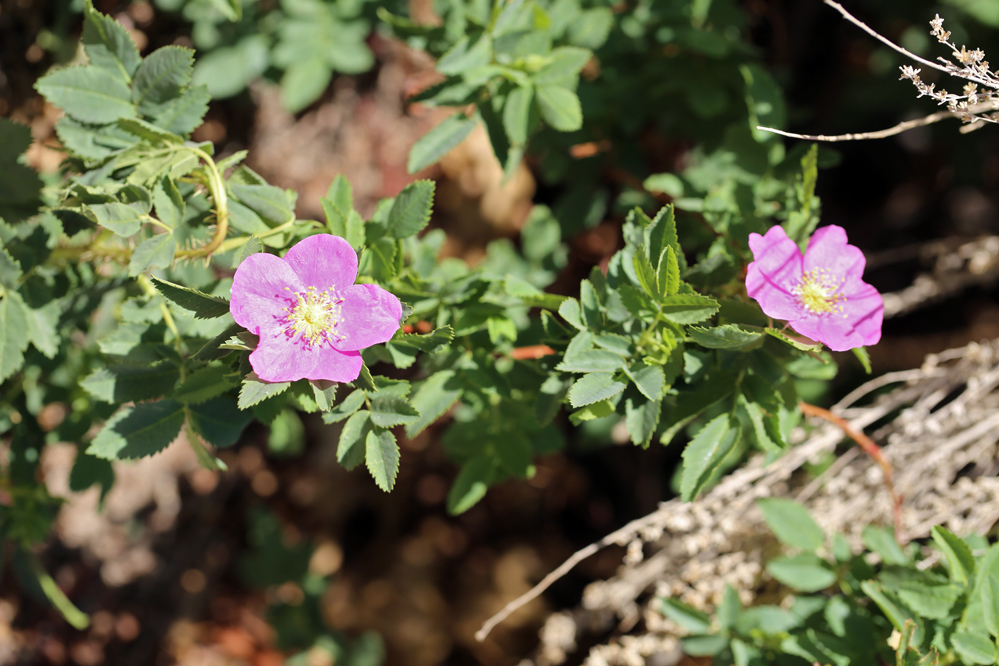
(870, 31)
(880, 134)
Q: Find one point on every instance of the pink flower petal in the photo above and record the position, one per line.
(324, 262)
(283, 358)
(369, 316)
(261, 287)
(858, 325)
(774, 272)
(829, 250)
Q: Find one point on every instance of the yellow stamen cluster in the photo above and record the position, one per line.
(315, 316)
(818, 292)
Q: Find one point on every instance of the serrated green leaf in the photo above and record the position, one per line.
(150, 133)
(254, 390)
(410, 212)
(661, 233)
(347, 406)
(139, 431)
(429, 342)
(959, 558)
(464, 56)
(390, 410)
(338, 204)
(211, 349)
(882, 541)
(571, 312)
(88, 470)
(668, 273)
(382, 457)
(896, 613)
(439, 141)
(219, 421)
(161, 77)
(108, 45)
(169, 203)
(154, 252)
(641, 418)
(43, 328)
(204, 306)
(87, 93)
(564, 65)
(594, 387)
(13, 334)
(649, 379)
(10, 270)
(304, 82)
(204, 384)
(928, 594)
(324, 392)
(765, 428)
(704, 454)
(593, 360)
(863, 357)
(646, 274)
(728, 336)
(128, 383)
(269, 202)
(805, 572)
(797, 344)
(381, 259)
(470, 485)
(123, 219)
(559, 107)
(691, 403)
(351, 449)
(184, 114)
(435, 396)
(974, 647)
(791, 523)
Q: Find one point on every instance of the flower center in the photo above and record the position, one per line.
(818, 292)
(315, 316)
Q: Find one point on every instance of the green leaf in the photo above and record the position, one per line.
(304, 82)
(219, 421)
(882, 541)
(974, 647)
(461, 57)
(324, 391)
(88, 470)
(728, 610)
(668, 273)
(728, 336)
(351, 449)
(705, 453)
(129, 383)
(594, 387)
(154, 252)
(690, 404)
(87, 93)
(564, 65)
(791, 523)
(571, 312)
(254, 390)
(269, 202)
(253, 246)
(439, 141)
(895, 612)
(287, 434)
(928, 594)
(704, 646)
(517, 115)
(410, 212)
(160, 78)
(691, 619)
(391, 410)
(123, 219)
(646, 274)
(805, 572)
(42, 328)
(139, 431)
(204, 306)
(381, 257)
(382, 457)
(149, 132)
(470, 485)
(169, 203)
(661, 233)
(338, 204)
(794, 342)
(429, 342)
(435, 396)
(649, 379)
(108, 45)
(641, 418)
(990, 603)
(205, 384)
(559, 107)
(591, 27)
(593, 360)
(10, 270)
(211, 349)
(184, 114)
(959, 558)
(347, 407)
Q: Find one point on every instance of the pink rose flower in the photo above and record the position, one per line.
(821, 295)
(311, 318)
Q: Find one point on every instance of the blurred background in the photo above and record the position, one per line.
(289, 554)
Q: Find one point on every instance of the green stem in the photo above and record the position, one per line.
(233, 243)
(73, 615)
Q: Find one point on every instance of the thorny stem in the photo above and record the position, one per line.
(871, 449)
